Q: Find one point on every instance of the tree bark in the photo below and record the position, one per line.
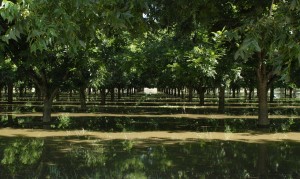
(262, 161)
(57, 96)
(221, 107)
(0, 93)
(48, 100)
(214, 92)
(263, 104)
(103, 96)
(112, 94)
(119, 93)
(21, 91)
(291, 92)
(82, 97)
(178, 92)
(47, 109)
(251, 91)
(272, 94)
(201, 93)
(10, 120)
(38, 93)
(262, 92)
(89, 91)
(10, 88)
(285, 93)
(190, 94)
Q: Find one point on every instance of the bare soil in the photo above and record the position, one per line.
(156, 136)
(191, 116)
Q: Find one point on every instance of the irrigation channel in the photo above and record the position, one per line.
(149, 136)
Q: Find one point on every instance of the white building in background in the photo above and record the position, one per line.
(150, 90)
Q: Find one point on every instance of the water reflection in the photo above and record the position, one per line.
(118, 124)
(59, 157)
(21, 157)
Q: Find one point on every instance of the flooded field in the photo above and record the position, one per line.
(164, 154)
(149, 136)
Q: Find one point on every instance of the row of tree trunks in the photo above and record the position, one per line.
(104, 92)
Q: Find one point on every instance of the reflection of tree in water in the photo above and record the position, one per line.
(214, 159)
(20, 158)
(128, 159)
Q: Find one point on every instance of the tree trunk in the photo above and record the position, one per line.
(10, 119)
(48, 100)
(10, 88)
(262, 92)
(103, 96)
(112, 94)
(82, 97)
(0, 93)
(262, 161)
(57, 97)
(123, 92)
(291, 93)
(285, 93)
(251, 90)
(272, 94)
(214, 92)
(119, 93)
(201, 93)
(221, 107)
(47, 109)
(190, 94)
(89, 91)
(38, 93)
(245, 93)
(21, 91)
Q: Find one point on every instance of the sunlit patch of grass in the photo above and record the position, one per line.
(28, 104)
(4, 118)
(64, 121)
(127, 145)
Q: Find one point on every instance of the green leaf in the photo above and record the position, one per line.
(256, 45)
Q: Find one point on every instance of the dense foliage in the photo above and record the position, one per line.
(198, 45)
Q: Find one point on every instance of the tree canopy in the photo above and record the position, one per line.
(167, 43)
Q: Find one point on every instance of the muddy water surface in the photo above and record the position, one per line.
(33, 153)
